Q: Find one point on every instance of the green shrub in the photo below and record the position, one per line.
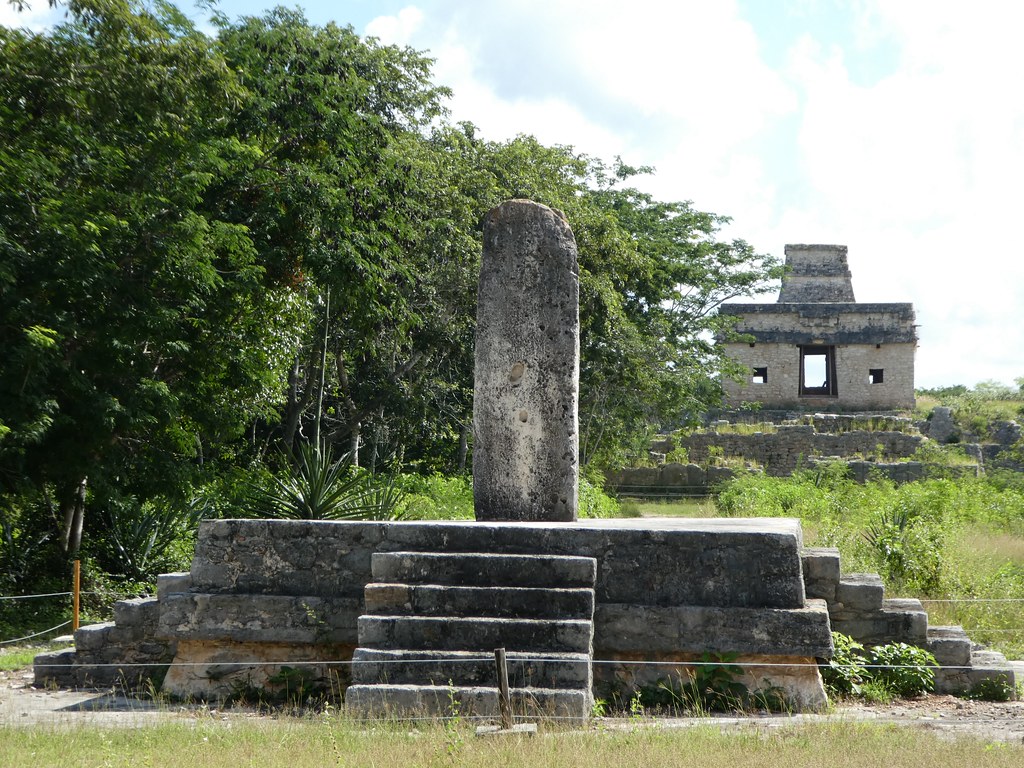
(845, 672)
(879, 673)
(904, 669)
(436, 497)
(316, 486)
(713, 686)
(594, 502)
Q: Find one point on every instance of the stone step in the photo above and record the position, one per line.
(860, 592)
(821, 572)
(950, 646)
(484, 570)
(496, 602)
(447, 701)
(95, 637)
(988, 669)
(136, 612)
(55, 668)
(465, 668)
(475, 634)
(171, 583)
(897, 621)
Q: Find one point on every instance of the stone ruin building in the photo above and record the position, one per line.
(817, 348)
(406, 617)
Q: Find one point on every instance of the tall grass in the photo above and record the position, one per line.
(960, 542)
(297, 744)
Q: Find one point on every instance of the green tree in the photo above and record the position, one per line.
(332, 120)
(140, 333)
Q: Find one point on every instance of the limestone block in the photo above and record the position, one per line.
(623, 628)
(215, 669)
(941, 427)
(166, 583)
(506, 602)
(821, 572)
(860, 592)
(137, 612)
(265, 618)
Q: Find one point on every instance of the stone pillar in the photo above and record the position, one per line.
(526, 392)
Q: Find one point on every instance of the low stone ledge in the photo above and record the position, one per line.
(212, 670)
(821, 572)
(168, 583)
(259, 618)
(723, 562)
(624, 629)
(859, 592)
(797, 678)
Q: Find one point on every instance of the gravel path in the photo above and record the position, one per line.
(21, 704)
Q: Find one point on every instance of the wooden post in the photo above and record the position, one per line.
(76, 592)
(504, 699)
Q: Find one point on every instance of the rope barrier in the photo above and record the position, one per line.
(66, 594)
(31, 597)
(971, 600)
(37, 634)
(629, 662)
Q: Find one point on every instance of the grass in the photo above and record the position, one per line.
(333, 741)
(20, 656)
(698, 507)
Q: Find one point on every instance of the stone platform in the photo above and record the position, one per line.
(265, 598)
(595, 607)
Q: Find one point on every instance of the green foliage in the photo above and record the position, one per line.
(144, 540)
(992, 689)
(909, 547)
(594, 502)
(904, 669)
(711, 686)
(318, 487)
(436, 497)
(976, 410)
(679, 455)
(845, 672)
(878, 673)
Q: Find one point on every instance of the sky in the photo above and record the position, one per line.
(894, 127)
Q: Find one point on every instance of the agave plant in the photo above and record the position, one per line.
(318, 487)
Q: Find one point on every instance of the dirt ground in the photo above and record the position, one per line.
(950, 717)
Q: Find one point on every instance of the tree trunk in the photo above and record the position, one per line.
(73, 507)
(353, 446)
(463, 446)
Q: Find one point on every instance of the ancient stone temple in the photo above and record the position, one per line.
(405, 618)
(817, 347)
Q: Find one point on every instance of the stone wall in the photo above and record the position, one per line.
(682, 479)
(853, 364)
(783, 451)
(867, 349)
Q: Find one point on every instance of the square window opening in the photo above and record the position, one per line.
(818, 371)
(760, 376)
(875, 375)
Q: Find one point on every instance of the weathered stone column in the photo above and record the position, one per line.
(526, 393)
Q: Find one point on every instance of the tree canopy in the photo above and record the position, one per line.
(211, 245)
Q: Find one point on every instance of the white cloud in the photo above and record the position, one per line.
(914, 167)
(398, 29)
(36, 16)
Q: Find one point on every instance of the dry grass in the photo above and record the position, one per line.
(300, 743)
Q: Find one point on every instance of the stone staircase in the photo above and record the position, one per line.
(433, 621)
(857, 607)
(124, 652)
